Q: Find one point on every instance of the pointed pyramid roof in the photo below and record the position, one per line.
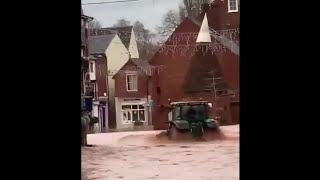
(133, 48)
(204, 33)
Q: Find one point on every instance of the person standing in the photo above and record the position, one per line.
(84, 128)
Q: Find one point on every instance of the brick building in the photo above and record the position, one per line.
(193, 70)
(132, 96)
(85, 78)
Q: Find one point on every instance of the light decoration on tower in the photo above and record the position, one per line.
(186, 43)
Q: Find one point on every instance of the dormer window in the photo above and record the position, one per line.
(232, 5)
(132, 82)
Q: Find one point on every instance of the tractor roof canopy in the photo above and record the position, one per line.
(188, 103)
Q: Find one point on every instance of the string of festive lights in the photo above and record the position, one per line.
(181, 43)
(175, 38)
(105, 31)
(192, 49)
(231, 34)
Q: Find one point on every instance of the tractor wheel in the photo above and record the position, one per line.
(173, 132)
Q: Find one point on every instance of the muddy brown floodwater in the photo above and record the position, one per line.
(148, 155)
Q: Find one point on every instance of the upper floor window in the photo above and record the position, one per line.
(232, 5)
(132, 82)
(94, 91)
(176, 113)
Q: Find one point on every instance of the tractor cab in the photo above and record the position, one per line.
(190, 116)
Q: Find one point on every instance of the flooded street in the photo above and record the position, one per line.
(135, 156)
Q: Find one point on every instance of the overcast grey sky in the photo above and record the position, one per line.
(149, 12)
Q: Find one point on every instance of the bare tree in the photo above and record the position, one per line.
(145, 42)
(194, 7)
(94, 24)
(173, 18)
(144, 38)
(122, 22)
(170, 22)
(182, 12)
(143, 34)
(140, 32)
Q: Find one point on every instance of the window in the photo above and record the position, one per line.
(91, 67)
(131, 113)
(194, 111)
(131, 82)
(94, 91)
(232, 5)
(176, 113)
(83, 82)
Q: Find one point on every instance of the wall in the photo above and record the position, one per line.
(230, 66)
(220, 18)
(117, 56)
(101, 75)
(235, 111)
(111, 110)
(120, 82)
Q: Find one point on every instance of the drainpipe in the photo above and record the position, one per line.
(148, 101)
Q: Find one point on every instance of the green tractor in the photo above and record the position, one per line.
(192, 117)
